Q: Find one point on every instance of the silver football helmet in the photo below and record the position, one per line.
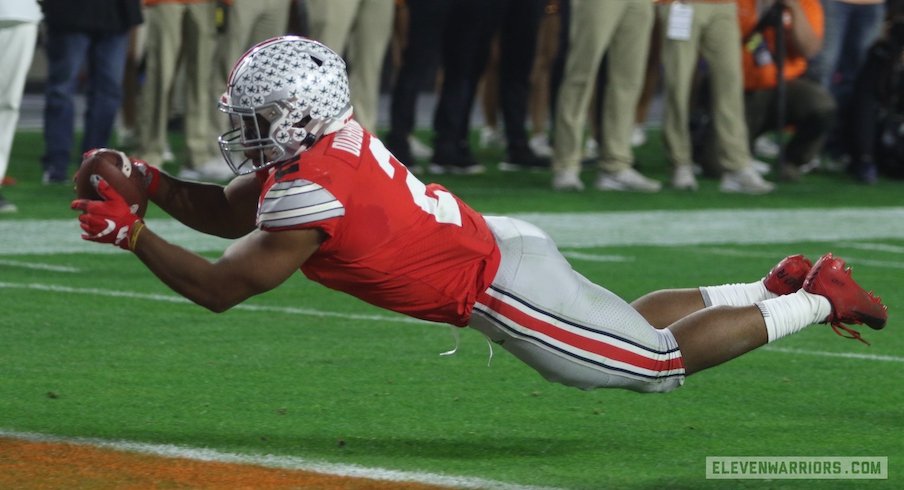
(282, 96)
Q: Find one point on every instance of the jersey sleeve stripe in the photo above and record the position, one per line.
(289, 221)
(297, 202)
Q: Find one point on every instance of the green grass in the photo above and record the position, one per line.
(75, 362)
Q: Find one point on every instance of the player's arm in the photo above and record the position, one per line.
(256, 263)
(226, 211)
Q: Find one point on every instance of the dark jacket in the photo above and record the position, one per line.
(91, 15)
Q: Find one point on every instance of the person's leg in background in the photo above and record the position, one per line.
(200, 37)
(107, 59)
(163, 24)
(18, 41)
(420, 59)
(540, 79)
(466, 44)
(650, 84)
(367, 45)
(518, 43)
(66, 53)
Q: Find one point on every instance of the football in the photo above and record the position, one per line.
(117, 169)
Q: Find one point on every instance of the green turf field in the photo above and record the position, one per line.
(92, 345)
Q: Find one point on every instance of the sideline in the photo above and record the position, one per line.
(272, 461)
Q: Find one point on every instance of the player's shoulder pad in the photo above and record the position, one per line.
(297, 202)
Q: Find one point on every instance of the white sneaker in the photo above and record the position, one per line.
(760, 166)
(490, 137)
(189, 174)
(539, 144)
(215, 170)
(627, 180)
(638, 136)
(683, 178)
(591, 149)
(765, 147)
(567, 180)
(419, 149)
(746, 181)
(167, 155)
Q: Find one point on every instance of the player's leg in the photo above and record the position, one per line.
(665, 307)
(829, 295)
(568, 329)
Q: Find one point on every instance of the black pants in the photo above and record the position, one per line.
(520, 23)
(808, 107)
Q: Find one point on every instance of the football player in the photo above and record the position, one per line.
(315, 191)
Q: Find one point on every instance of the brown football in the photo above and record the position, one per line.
(116, 168)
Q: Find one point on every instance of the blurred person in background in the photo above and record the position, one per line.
(240, 25)
(851, 28)
(178, 32)
(359, 30)
(807, 106)
(620, 29)
(872, 125)
(83, 34)
(18, 36)
(709, 29)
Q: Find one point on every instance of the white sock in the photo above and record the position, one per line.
(735, 294)
(790, 313)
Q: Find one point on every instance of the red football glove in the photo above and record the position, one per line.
(110, 220)
(150, 173)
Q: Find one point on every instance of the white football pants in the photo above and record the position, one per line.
(570, 330)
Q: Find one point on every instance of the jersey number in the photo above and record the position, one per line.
(443, 207)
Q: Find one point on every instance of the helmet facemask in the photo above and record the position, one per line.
(281, 97)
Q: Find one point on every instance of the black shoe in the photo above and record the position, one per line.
(6, 206)
(50, 178)
(401, 150)
(455, 160)
(522, 158)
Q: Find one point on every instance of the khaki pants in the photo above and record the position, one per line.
(359, 30)
(620, 28)
(168, 39)
(716, 36)
(248, 22)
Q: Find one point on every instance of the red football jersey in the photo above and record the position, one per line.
(391, 240)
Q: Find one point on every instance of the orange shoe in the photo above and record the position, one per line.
(851, 304)
(788, 275)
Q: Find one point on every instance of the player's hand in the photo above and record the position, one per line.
(149, 173)
(109, 220)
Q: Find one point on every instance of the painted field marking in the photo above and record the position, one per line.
(596, 257)
(273, 461)
(569, 230)
(356, 316)
(38, 266)
(179, 299)
(844, 355)
(850, 260)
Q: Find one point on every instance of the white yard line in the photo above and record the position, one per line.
(570, 230)
(273, 461)
(38, 266)
(355, 316)
(843, 355)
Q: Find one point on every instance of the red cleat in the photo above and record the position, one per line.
(851, 304)
(788, 275)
